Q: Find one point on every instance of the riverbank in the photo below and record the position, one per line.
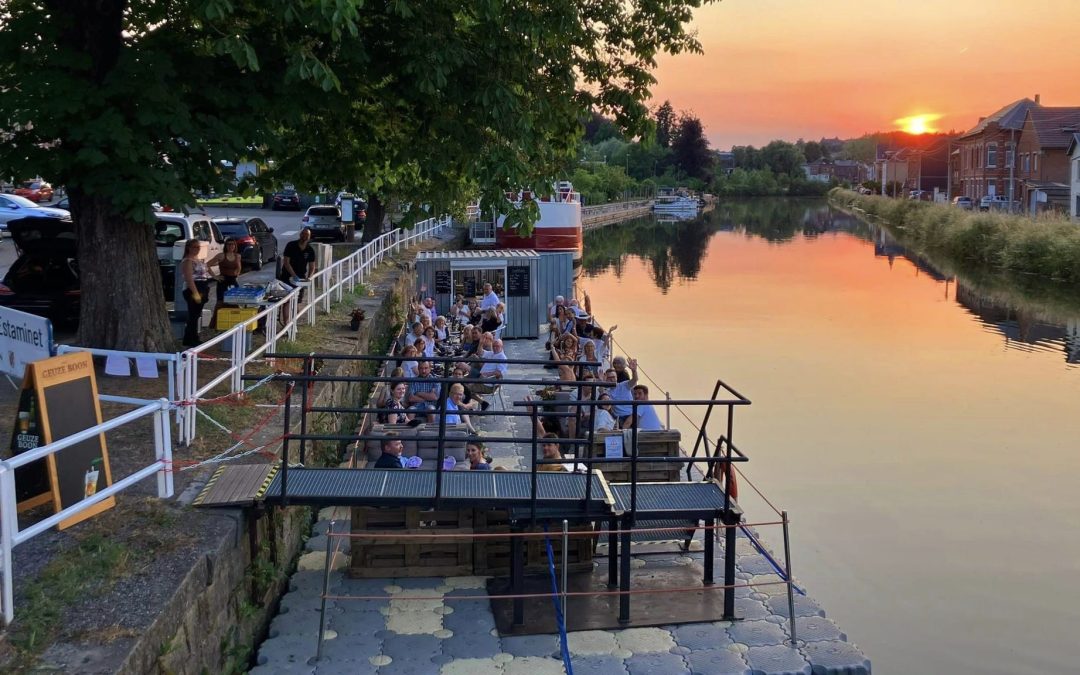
(1046, 247)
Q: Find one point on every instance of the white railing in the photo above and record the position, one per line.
(172, 372)
(325, 287)
(10, 534)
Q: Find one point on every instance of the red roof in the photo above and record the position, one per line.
(1054, 127)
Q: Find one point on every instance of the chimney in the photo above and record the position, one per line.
(1037, 97)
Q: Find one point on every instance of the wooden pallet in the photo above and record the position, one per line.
(413, 557)
(491, 555)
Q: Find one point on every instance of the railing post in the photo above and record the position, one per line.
(8, 523)
(163, 451)
(667, 410)
(790, 578)
(238, 340)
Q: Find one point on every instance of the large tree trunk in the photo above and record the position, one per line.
(122, 302)
(376, 213)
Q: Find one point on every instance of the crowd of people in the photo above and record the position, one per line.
(471, 331)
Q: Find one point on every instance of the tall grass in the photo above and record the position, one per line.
(1046, 246)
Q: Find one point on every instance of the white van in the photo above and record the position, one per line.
(171, 234)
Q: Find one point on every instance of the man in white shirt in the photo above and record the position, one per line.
(494, 367)
(647, 419)
(624, 386)
(490, 300)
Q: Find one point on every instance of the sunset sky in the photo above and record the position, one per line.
(807, 69)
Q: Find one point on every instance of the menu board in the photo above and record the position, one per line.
(442, 282)
(67, 393)
(517, 282)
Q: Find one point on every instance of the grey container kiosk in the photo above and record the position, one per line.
(513, 273)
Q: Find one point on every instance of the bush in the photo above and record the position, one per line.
(1047, 246)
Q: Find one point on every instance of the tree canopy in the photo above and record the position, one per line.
(129, 103)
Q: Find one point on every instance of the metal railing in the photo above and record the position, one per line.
(10, 534)
(323, 289)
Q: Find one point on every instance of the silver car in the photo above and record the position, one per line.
(14, 206)
(325, 222)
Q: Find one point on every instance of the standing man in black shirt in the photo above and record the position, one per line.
(298, 260)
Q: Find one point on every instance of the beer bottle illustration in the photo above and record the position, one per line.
(92, 478)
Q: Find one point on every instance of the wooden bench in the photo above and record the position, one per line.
(650, 444)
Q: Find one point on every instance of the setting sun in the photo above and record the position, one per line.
(918, 124)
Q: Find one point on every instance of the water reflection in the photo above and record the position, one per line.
(1027, 313)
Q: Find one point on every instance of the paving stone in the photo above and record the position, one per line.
(650, 664)
(415, 600)
(352, 648)
(303, 622)
(315, 561)
(419, 582)
(836, 658)
(530, 645)
(680, 650)
(283, 669)
(358, 623)
(598, 664)
(471, 645)
(306, 580)
(590, 642)
(757, 633)
(330, 667)
(772, 585)
(750, 609)
(410, 668)
(300, 600)
(411, 647)
(472, 667)
(316, 543)
(778, 660)
(717, 662)
(815, 629)
(698, 636)
(642, 640)
(364, 587)
(804, 606)
(469, 619)
(777, 619)
(286, 650)
(415, 623)
(535, 665)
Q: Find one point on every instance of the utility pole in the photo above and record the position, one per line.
(948, 171)
(1012, 168)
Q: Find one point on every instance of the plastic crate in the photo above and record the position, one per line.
(230, 316)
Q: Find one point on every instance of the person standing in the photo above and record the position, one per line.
(228, 263)
(490, 299)
(298, 260)
(196, 289)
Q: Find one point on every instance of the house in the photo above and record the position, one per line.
(984, 160)
(895, 167)
(843, 170)
(1074, 182)
(1043, 166)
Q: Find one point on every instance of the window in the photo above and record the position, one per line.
(1010, 156)
(201, 230)
(991, 155)
(1035, 162)
(1026, 162)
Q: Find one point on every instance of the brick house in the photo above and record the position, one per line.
(983, 161)
(1074, 182)
(1042, 158)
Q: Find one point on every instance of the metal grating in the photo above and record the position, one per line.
(672, 497)
(666, 535)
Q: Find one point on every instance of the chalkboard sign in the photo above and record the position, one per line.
(442, 282)
(67, 392)
(517, 282)
(31, 481)
(470, 286)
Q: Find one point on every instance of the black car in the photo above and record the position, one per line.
(286, 199)
(44, 279)
(256, 241)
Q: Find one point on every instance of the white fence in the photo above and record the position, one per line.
(10, 534)
(324, 288)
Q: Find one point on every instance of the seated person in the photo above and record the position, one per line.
(551, 451)
(395, 400)
(646, 416)
(410, 363)
(494, 367)
(454, 406)
(474, 452)
(391, 453)
(553, 307)
(409, 337)
(423, 394)
(603, 420)
(490, 323)
(500, 313)
(470, 401)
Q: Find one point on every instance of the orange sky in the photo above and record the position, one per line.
(812, 68)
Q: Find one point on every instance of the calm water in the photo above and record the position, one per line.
(921, 428)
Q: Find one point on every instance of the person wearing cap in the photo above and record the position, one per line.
(490, 299)
(391, 453)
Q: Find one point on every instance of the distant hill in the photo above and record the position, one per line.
(864, 149)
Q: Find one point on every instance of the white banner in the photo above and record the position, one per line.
(24, 338)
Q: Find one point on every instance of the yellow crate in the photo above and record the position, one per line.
(230, 316)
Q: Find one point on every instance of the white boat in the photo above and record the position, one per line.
(557, 230)
(676, 204)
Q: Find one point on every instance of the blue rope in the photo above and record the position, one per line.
(558, 607)
(775, 565)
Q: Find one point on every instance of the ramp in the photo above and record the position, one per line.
(236, 485)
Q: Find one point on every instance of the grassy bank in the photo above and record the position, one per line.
(1048, 247)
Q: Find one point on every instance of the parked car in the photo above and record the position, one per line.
(988, 202)
(13, 207)
(286, 199)
(256, 241)
(35, 190)
(171, 234)
(966, 203)
(44, 279)
(325, 222)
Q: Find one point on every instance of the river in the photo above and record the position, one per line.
(921, 428)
